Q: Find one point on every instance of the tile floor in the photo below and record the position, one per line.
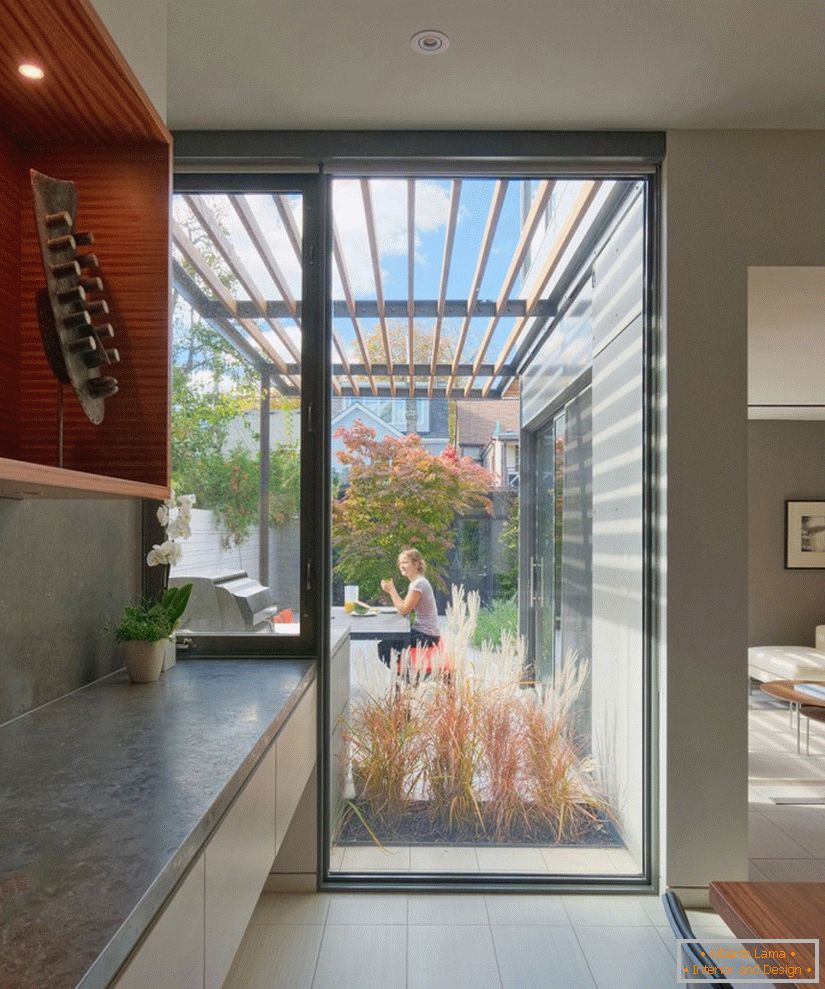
(456, 941)
(506, 941)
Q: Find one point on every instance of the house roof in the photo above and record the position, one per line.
(477, 422)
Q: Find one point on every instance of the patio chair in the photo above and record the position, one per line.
(680, 925)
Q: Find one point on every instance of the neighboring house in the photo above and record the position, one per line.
(392, 416)
(488, 432)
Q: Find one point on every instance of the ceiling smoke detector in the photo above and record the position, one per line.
(429, 42)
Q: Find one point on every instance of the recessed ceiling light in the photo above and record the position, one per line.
(429, 42)
(30, 70)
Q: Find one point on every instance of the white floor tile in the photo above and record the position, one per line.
(276, 957)
(443, 858)
(627, 957)
(369, 858)
(805, 828)
(447, 908)
(766, 840)
(367, 908)
(541, 958)
(291, 908)
(807, 870)
(525, 909)
(451, 957)
(598, 910)
(579, 861)
(363, 957)
(516, 860)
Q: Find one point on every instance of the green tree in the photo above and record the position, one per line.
(399, 494)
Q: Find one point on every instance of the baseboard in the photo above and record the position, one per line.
(291, 882)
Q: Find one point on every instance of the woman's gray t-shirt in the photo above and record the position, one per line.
(426, 615)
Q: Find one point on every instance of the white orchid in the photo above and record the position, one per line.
(167, 553)
(175, 515)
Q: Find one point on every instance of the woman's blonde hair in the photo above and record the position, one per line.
(414, 557)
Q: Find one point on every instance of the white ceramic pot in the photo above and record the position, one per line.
(143, 660)
(169, 654)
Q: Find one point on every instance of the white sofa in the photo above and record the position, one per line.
(766, 663)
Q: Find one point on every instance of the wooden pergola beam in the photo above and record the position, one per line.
(193, 255)
(369, 217)
(446, 261)
(578, 211)
(525, 239)
(290, 226)
(201, 211)
(496, 203)
(343, 274)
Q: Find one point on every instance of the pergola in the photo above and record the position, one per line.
(231, 254)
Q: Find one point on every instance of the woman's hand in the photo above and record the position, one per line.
(387, 585)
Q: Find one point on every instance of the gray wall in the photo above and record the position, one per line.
(66, 570)
(732, 199)
(786, 460)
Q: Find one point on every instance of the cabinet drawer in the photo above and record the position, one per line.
(295, 755)
(171, 954)
(238, 859)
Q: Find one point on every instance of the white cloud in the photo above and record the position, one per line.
(389, 199)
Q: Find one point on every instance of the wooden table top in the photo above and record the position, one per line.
(784, 689)
(775, 910)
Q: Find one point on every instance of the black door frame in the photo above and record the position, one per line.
(304, 160)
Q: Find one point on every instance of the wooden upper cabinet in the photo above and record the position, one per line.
(88, 121)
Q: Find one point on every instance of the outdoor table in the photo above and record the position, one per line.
(386, 624)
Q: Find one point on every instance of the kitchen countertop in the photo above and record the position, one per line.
(108, 795)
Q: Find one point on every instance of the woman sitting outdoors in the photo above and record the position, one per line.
(420, 599)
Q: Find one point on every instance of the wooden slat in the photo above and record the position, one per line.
(369, 217)
(89, 97)
(290, 226)
(259, 242)
(201, 211)
(343, 274)
(574, 219)
(204, 269)
(12, 179)
(496, 203)
(411, 280)
(449, 239)
(203, 214)
(525, 239)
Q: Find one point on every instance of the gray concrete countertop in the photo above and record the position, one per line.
(108, 795)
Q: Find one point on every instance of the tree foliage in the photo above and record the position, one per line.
(399, 494)
(213, 388)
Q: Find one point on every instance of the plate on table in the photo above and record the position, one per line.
(363, 614)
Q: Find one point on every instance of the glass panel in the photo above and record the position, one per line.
(236, 409)
(494, 750)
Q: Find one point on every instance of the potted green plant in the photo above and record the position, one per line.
(144, 630)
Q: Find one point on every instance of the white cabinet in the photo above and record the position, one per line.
(295, 757)
(194, 939)
(238, 858)
(171, 954)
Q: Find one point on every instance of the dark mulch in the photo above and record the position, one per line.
(416, 828)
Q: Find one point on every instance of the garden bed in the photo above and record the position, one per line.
(417, 828)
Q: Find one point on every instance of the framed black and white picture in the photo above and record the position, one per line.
(805, 535)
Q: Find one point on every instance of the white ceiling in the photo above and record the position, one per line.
(524, 64)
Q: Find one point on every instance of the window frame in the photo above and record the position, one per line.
(314, 594)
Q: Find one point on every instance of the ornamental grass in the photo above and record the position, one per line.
(472, 752)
